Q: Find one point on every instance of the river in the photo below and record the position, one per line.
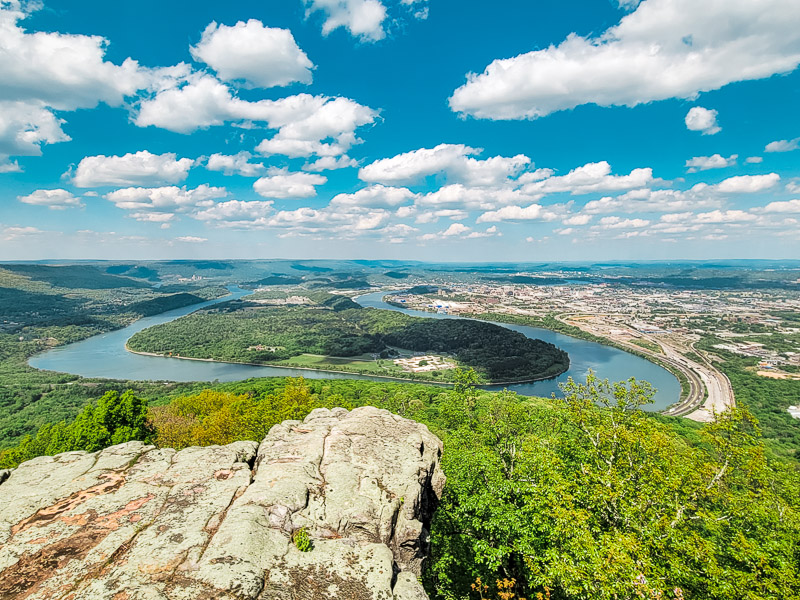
(104, 356)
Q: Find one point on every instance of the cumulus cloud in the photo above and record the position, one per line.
(250, 52)
(235, 164)
(330, 163)
(433, 216)
(702, 120)
(715, 161)
(754, 160)
(280, 183)
(43, 72)
(577, 219)
(7, 165)
(475, 198)
(191, 239)
(362, 18)
(375, 195)
(455, 161)
(161, 204)
(25, 127)
(788, 206)
(53, 199)
(518, 213)
(783, 145)
(748, 184)
(591, 177)
(236, 211)
(140, 168)
(700, 195)
(620, 223)
(15, 232)
(663, 49)
(307, 125)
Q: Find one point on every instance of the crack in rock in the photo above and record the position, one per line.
(133, 522)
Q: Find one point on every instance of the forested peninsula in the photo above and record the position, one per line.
(332, 336)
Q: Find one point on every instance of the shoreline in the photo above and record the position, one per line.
(637, 351)
(404, 379)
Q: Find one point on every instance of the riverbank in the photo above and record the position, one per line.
(688, 400)
(483, 385)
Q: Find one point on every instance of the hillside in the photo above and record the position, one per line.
(253, 333)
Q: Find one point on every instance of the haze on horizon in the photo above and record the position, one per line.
(400, 129)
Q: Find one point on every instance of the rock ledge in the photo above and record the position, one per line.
(134, 522)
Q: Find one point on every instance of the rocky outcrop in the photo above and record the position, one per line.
(134, 522)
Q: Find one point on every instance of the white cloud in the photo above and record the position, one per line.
(453, 160)
(517, 213)
(664, 49)
(235, 164)
(591, 177)
(280, 183)
(715, 161)
(489, 232)
(8, 166)
(703, 120)
(620, 223)
(162, 203)
(577, 219)
(260, 56)
(362, 18)
(191, 239)
(724, 216)
(140, 168)
(475, 198)
(783, 145)
(304, 122)
(754, 160)
(43, 72)
(236, 211)
(25, 127)
(53, 199)
(16, 232)
(330, 163)
(789, 206)
(433, 216)
(748, 184)
(375, 195)
(793, 187)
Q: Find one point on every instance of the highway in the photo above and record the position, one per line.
(709, 391)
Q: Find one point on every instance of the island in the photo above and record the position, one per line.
(333, 333)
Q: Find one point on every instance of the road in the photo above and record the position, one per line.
(709, 391)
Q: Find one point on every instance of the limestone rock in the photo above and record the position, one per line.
(134, 522)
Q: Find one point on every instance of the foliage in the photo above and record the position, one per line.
(302, 541)
(215, 417)
(113, 420)
(269, 334)
(609, 503)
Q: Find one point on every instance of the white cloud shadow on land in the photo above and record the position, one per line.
(663, 49)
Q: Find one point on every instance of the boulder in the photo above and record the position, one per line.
(134, 522)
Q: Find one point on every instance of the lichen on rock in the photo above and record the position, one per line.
(136, 522)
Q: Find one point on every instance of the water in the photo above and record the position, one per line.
(605, 361)
(104, 356)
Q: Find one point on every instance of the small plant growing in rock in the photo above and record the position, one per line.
(301, 540)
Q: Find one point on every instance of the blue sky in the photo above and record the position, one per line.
(420, 129)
